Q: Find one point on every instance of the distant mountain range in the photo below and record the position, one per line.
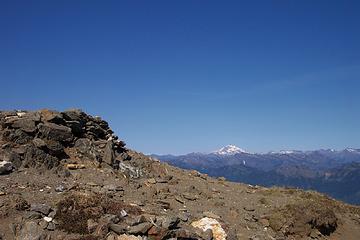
(336, 173)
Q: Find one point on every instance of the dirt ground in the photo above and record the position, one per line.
(245, 212)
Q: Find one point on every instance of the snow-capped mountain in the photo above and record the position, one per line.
(229, 150)
(325, 170)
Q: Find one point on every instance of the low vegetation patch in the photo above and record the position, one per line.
(74, 211)
(302, 218)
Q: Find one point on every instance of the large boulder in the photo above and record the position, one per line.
(55, 132)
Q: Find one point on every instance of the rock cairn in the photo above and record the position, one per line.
(44, 138)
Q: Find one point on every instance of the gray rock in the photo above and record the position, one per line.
(91, 225)
(184, 216)
(96, 130)
(74, 115)
(113, 188)
(110, 218)
(83, 145)
(210, 215)
(123, 157)
(168, 222)
(51, 226)
(40, 208)
(131, 171)
(31, 231)
(6, 167)
(60, 188)
(55, 148)
(34, 116)
(27, 125)
(51, 116)
(55, 132)
(52, 213)
(141, 228)
(43, 224)
(109, 154)
(118, 228)
(18, 136)
(33, 215)
(39, 143)
(76, 127)
(11, 156)
(35, 157)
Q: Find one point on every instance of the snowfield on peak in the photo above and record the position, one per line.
(229, 150)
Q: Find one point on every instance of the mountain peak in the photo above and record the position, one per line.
(229, 150)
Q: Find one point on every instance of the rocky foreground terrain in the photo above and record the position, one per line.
(65, 175)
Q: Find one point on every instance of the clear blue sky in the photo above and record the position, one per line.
(183, 76)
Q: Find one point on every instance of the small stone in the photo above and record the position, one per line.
(92, 184)
(43, 224)
(151, 180)
(211, 215)
(6, 167)
(48, 219)
(33, 215)
(39, 143)
(123, 213)
(73, 166)
(91, 225)
(40, 208)
(168, 222)
(184, 216)
(128, 237)
(118, 228)
(141, 228)
(264, 222)
(110, 218)
(190, 197)
(249, 208)
(177, 198)
(52, 214)
(51, 226)
(113, 188)
(60, 188)
(111, 236)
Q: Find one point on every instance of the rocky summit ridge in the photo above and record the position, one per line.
(65, 175)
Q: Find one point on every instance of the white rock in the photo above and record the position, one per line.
(48, 219)
(123, 213)
(21, 114)
(212, 224)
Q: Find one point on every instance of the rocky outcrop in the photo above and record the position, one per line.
(45, 138)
